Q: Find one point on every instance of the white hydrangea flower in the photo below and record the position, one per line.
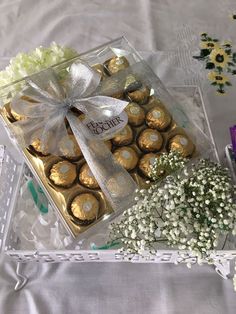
(25, 64)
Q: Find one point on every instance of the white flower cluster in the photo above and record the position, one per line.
(198, 208)
(166, 164)
(140, 226)
(189, 211)
(25, 64)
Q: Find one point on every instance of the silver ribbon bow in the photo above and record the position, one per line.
(53, 103)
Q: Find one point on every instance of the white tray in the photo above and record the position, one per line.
(9, 185)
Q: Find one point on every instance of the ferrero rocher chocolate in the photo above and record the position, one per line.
(158, 118)
(140, 96)
(131, 83)
(86, 177)
(37, 145)
(63, 173)
(124, 137)
(69, 147)
(182, 144)
(85, 208)
(126, 157)
(117, 185)
(108, 144)
(17, 116)
(146, 163)
(112, 87)
(100, 69)
(135, 114)
(116, 64)
(150, 140)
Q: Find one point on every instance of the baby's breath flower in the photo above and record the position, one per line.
(189, 211)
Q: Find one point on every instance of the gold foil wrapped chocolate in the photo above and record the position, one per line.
(131, 83)
(100, 69)
(158, 118)
(85, 208)
(146, 162)
(112, 87)
(136, 114)
(126, 157)
(124, 137)
(117, 185)
(116, 64)
(150, 140)
(87, 178)
(140, 96)
(69, 147)
(63, 173)
(37, 145)
(182, 144)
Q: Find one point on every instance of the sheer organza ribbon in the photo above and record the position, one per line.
(51, 109)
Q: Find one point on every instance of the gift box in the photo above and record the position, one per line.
(89, 129)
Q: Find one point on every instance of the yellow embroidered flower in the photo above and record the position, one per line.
(219, 57)
(210, 44)
(217, 78)
(227, 43)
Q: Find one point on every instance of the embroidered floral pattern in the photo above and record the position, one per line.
(220, 59)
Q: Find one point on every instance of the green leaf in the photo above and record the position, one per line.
(198, 57)
(215, 40)
(221, 91)
(204, 52)
(214, 83)
(210, 65)
(231, 64)
(228, 51)
(228, 84)
(234, 56)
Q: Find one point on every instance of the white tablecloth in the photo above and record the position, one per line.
(150, 26)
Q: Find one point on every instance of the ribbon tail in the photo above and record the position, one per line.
(116, 183)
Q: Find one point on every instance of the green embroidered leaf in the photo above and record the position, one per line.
(231, 64)
(234, 57)
(214, 83)
(233, 72)
(228, 83)
(219, 69)
(210, 65)
(215, 40)
(204, 52)
(228, 51)
(198, 57)
(221, 91)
